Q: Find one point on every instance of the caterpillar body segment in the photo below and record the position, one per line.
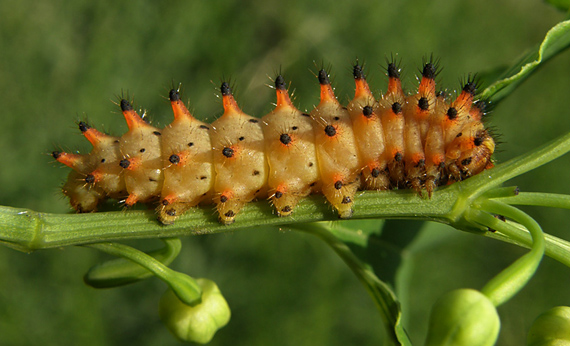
(421, 141)
(96, 175)
(239, 159)
(448, 121)
(107, 175)
(337, 153)
(142, 160)
(82, 197)
(390, 108)
(434, 147)
(290, 152)
(477, 159)
(418, 110)
(367, 128)
(188, 163)
(470, 151)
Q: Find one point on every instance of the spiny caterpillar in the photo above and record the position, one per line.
(417, 141)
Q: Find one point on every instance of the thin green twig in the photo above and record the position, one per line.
(512, 279)
(539, 199)
(185, 287)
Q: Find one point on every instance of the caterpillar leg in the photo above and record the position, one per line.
(228, 206)
(341, 195)
(169, 211)
(285, 200)
(415, 173)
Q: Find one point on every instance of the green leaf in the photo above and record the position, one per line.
(378, 243)
(381, 293)
(556, 40)
(396, 236)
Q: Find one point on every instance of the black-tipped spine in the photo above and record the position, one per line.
(452, 113)
(228, 152)
(429, 70)
(357, 72)
(126, 105)
(324, 77)
(330, 130)
(83, 126)
(280, 83)
(423, 103)
(225, 89)
(285, 138)
(174, 95)
(471, 85)
(396, 108)
(393, 70)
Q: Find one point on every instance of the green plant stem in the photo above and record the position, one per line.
(121, 271)
(185, 287)
(511, 280)
(514, 233)
(538, 199)
(26, 230)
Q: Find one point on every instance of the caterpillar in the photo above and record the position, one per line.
(420, 141)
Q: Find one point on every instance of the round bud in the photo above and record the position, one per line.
(196, 323)
(463, 317)
(551, 328)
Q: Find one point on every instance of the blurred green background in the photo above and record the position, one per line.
(64, 61)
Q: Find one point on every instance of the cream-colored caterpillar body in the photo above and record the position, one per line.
(418, 141)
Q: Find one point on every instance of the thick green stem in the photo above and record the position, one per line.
(26, 230)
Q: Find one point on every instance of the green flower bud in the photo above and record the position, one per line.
(551, 328)
(197, 323)
(463, 317)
